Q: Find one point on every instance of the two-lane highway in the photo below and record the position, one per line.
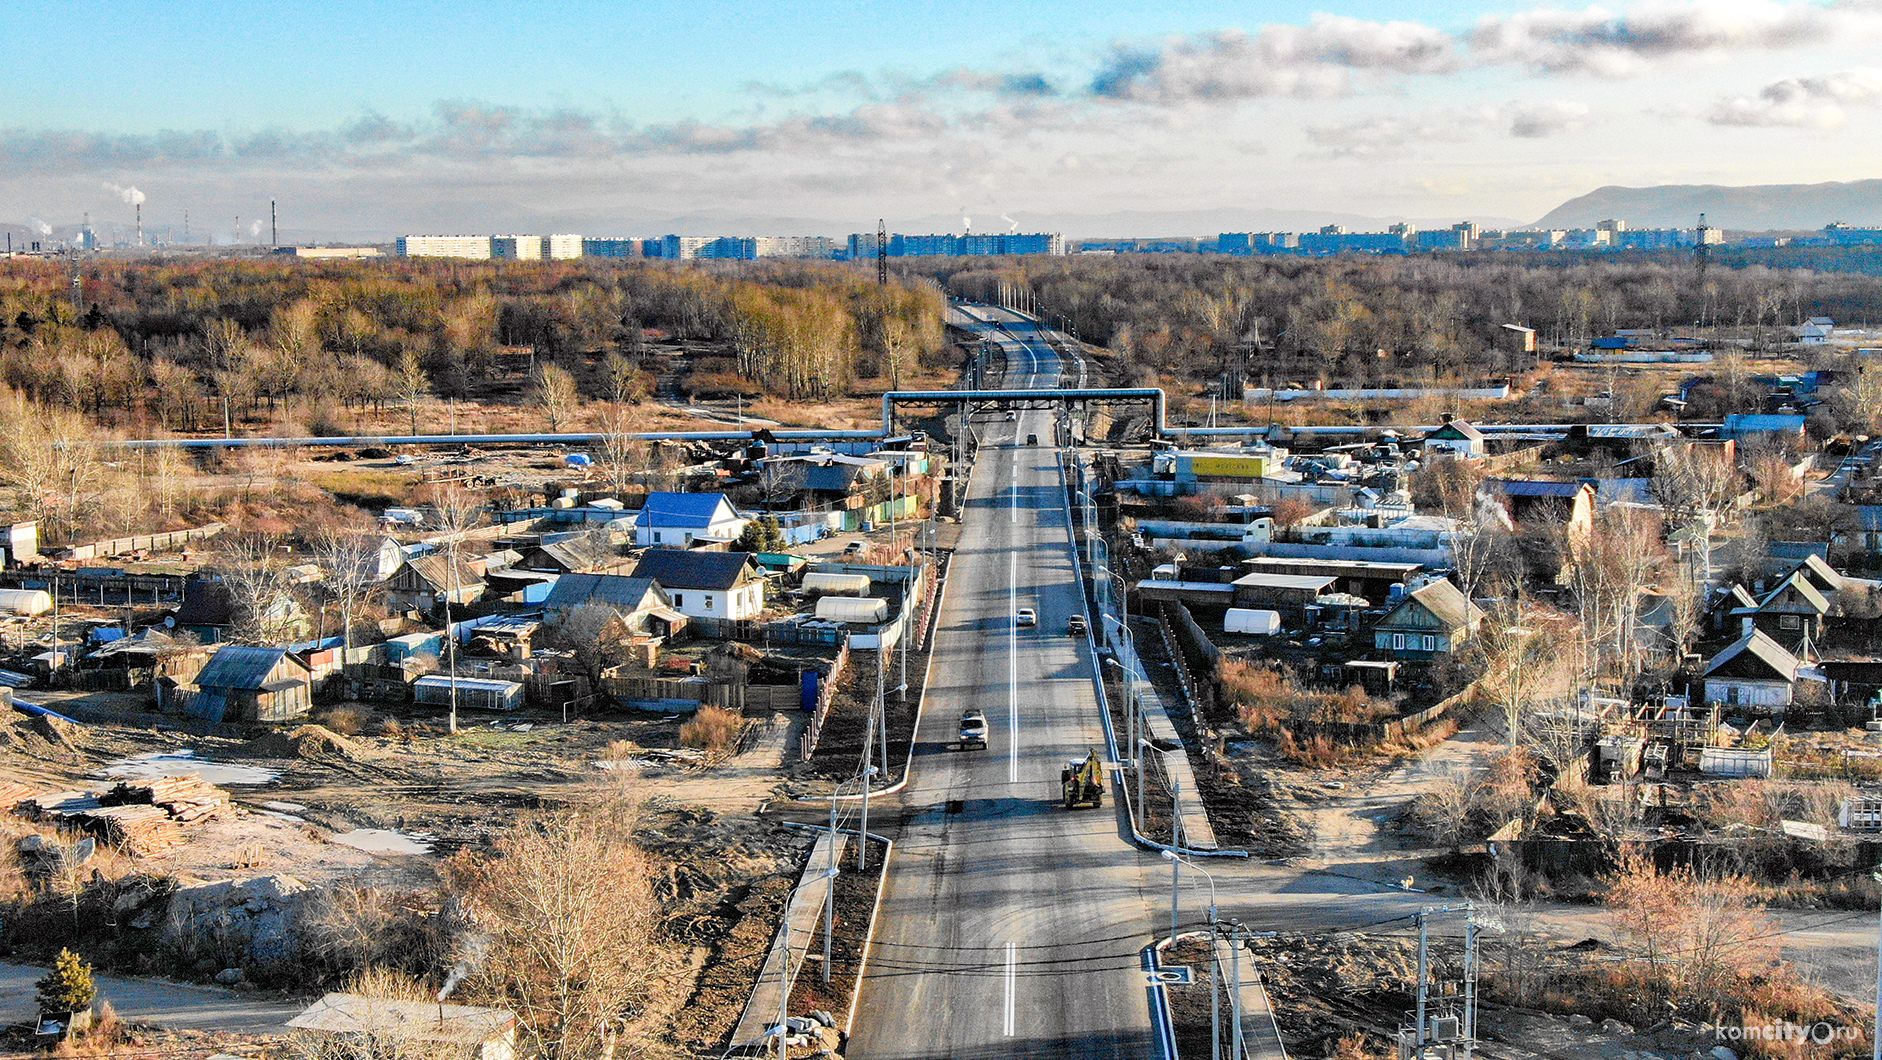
(1010, 926)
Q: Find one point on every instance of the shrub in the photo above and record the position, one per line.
(343, 720)
(712, 729)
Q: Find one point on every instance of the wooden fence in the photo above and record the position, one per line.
(167, 542)
(813, 732)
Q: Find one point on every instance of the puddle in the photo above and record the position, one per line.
(178, 763)
(279, 816)
(384, 841)
(285, 807)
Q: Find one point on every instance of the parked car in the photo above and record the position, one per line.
(854, 548)
(1026, 616)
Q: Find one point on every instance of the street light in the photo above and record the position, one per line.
(1176, 797)
(862, 843)
(1215, 978)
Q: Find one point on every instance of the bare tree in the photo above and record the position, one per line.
(262, 594)
(1696, 486)
(553, 390)
(410, 382)
(349, 564)
(568, 905)
(458, 512)
(1519, 659)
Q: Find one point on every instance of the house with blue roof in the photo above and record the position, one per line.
(676, 520)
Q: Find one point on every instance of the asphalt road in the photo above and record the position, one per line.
(174, 1006)
(1010, 926)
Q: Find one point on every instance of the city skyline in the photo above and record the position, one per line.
(367, 120)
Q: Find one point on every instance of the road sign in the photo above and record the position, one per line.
(1171, 977)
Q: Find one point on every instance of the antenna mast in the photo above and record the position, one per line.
(882, 252)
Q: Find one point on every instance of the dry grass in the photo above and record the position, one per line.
(343, 720)
(712, 729)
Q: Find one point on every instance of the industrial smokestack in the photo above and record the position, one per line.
(140, 223)
(274, 232)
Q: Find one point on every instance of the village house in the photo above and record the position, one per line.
(424, 583)
(1432, 620)
(241, 683)
(1755, 671)
(580, 553)
(1793, 613)
(706, 584)
(1455, 438)
(642, 604)
(676, 520)
(212, 612)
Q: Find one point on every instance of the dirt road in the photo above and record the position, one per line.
(172, 1006)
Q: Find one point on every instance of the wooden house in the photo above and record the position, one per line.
(241, 683)
(1755, 672)
(1433, 620)
(1793, 613)
(424, 583)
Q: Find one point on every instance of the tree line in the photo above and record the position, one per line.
(169, 342)
(1192, 315)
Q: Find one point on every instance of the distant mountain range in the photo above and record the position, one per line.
(1754, 208)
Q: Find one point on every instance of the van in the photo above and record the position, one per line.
(1032, 439)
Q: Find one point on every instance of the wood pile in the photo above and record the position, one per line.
(57, 806)
(185, 799)
(12, 793)
(141, 831)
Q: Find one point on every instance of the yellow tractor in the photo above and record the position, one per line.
(1082, 782)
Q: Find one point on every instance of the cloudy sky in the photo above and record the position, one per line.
(371, 119)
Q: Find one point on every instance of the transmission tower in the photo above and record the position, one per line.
(882, 252)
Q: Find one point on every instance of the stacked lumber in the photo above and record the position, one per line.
(59, 805)
(186, 799)
(12, 793)
(140, 831)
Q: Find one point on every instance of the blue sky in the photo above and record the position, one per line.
(377, 118)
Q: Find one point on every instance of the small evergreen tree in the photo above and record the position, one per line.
(68, 987)
(761, 535)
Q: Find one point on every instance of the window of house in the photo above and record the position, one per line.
(1790, 622)
(1732, 695)
(1431, 642)
(708, 601)
(1398, 642)
(656, 537)
(679, 600)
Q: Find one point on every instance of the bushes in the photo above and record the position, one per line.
(712, 729)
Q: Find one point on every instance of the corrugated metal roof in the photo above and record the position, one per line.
(683, 510)
(613, 590)
(679, 569)
(239, 666)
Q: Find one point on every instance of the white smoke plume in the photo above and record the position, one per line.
(1011, 225)
(967, 223)
(131, 196)
(41, 227)
(254, 229)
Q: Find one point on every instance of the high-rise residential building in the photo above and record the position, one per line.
(561, 247)
(611, 248)
(675, 248)
(476, 248)
(516, 248)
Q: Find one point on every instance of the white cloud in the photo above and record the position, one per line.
(1383, 134)
(1802, 102)
(1601, 40)
(1310, 61)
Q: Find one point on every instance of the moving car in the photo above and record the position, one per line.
(1026, 616)
(1032, 439)
(1078, 627)
(1011, 416)
(854, 548)
(973, 730)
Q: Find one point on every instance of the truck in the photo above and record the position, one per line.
(1082, 782)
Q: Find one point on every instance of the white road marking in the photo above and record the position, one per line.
(1012, 673)
(1012, 984)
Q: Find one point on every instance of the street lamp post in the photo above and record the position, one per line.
(1215, 977)
(1176, 797)
(862, 843)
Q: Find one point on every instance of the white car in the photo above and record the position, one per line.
(1026, 616)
